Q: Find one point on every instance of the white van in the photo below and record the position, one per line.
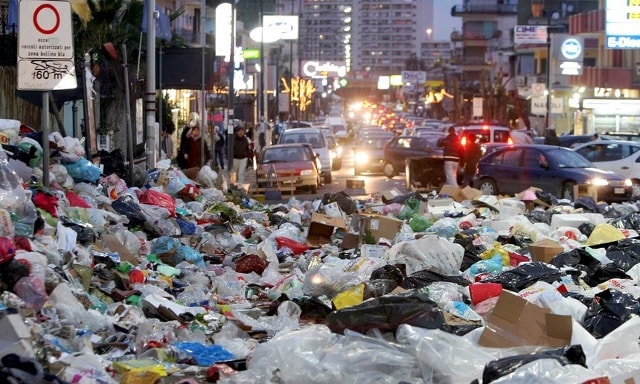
(315, 138)
(339, 127)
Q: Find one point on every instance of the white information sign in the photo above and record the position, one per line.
(539, 105)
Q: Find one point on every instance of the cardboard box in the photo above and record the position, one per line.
(390, 194)
(321, 228)
(382, 226)
(517, 322)
(460, 194)
(544, 250)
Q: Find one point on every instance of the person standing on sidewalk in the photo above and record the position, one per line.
(262, 134)
(451, 152)
(241, 154)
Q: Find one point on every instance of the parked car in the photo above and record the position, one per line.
(487, 133)
(619, 156)
(287, 166)
(568, 141)
(368, 154)
(335, 149)
(401, 148)
(514, 168)
(315, 138)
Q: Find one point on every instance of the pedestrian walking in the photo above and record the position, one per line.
(241, 154)
(451, 152)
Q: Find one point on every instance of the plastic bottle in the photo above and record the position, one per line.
(25, 217)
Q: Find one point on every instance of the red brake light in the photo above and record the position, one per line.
(510, 141)
(485, 127)
(463, 141)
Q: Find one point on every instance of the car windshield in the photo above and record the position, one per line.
(566, 158)
(316, 139)
(284, 154)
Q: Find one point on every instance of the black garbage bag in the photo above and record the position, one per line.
(586, 228)
(524, 275)
(609, 309)
(11, 272)
(125, 205)
(547, 198)
(25, 370)
(587, 203)
(386, 313)
(498, 368)
(539, 216)
(471, 251)
(85, 233)
(630, 221)
(425, 277)
(604, 273)
(625, 253)
(402, 198)
(615, 211)
(388, 272)
(578, 258)
(345, 202)
(312, 309)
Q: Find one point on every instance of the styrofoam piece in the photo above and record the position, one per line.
(510, 207)
(575, 219)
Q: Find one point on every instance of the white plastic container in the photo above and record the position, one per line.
(9, 131)
(510, 207)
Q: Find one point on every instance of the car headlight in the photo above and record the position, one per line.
(306, 172)
(598, 181)
(362, 158)
(627, 183)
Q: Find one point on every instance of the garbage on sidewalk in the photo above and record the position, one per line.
(184, 280)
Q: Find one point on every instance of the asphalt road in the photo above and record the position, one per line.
(342, 179)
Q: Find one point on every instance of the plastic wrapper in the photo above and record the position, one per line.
(609, 309)
(250, 263)
(430, 252)
(387, 313)
(287, 319)
(410, 208)
(129, 207)
(295, 246)
(32, 291)
(526, 274)
(204, 355)
(328, 281)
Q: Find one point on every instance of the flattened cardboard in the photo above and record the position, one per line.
(515, 322)
(321, 228)
(390, 194)
(460, 194)
(112, 242)
(544, 250)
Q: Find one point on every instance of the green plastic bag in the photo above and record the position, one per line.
(411, 208)
(419, 223)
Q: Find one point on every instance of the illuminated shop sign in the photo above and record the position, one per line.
(622, 19)
(318, 69)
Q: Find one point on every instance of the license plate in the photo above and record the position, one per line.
(618, 191)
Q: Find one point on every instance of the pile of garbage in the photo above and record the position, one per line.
(191, 280)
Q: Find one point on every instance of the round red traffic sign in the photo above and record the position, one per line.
(39, 27)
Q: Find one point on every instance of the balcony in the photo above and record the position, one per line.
(484, 9)
(475, 35)
(603, 77)
(587, 22)
(468, 61)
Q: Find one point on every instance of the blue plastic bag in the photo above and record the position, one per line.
(83, 171)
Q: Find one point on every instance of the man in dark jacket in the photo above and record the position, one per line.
(241, 154)
(451, 152)
(551, 138)
(472, 154)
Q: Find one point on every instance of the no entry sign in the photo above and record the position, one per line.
(45, 46)
(45, 30)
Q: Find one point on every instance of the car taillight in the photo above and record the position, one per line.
(485, 127)
(463, 141)
(510, 141)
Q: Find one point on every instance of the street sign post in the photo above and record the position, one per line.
(45, 46)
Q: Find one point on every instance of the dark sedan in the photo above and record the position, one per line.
(512, 169)
(401, 148)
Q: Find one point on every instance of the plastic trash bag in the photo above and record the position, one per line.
(501, 367)
(578, 258)
(386, 313)
(127, 206)
(83, 170)
(410, 208)
(526, 274)
(160, 199)
(345, 202)
(604, 233)
(250, 263)
(425, 278)
(625, 253)
(609, 309)
(429, 252)
(388, 272)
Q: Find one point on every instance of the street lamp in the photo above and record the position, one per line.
(429, 31)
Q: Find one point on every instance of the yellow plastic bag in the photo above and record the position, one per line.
(604, 233)
(350, 297)
(496, 250)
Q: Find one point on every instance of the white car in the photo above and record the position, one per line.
(619, 156)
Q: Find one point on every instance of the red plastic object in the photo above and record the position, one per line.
(75, 200)
(480, 292)
(160, 199)
(251, 263)
(295, 246)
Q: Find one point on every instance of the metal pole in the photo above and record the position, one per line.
(45, 139)
(77, 133)
(262, 69)
(203, 104)
(150, 102)
(548, 114)
(127, 109)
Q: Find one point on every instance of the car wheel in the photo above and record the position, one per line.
(337, 164)
(389, 170)
(327, 178)
(567, 190)
(488, 187)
